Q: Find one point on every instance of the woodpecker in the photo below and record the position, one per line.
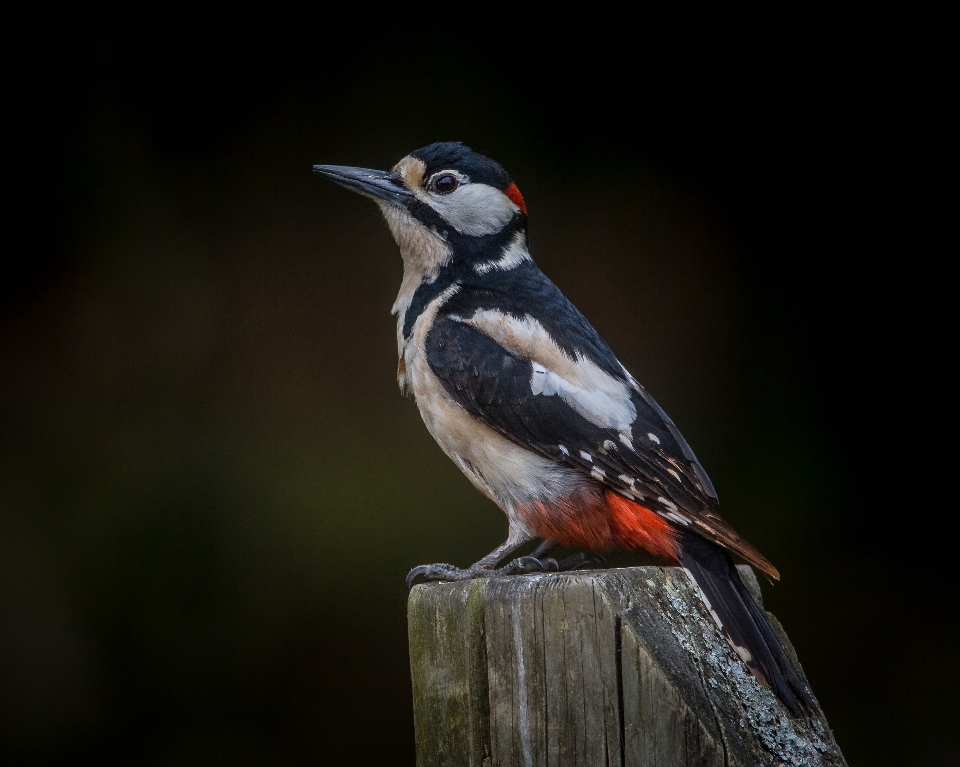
(535, 409)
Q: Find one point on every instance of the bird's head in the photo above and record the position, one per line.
(446, 188)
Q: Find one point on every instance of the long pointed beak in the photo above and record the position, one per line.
(371, 183)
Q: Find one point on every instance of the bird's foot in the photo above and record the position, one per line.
(438, 572)
(519, 566)
(579, 560)
(445, 572)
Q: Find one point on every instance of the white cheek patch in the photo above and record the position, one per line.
(474, 209)
(513, 255)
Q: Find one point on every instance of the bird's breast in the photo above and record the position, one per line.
(505, 472)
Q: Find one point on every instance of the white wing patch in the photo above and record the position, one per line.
(513, 255)
(597, 396)
(597, 406)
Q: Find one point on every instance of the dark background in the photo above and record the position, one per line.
(210, 488)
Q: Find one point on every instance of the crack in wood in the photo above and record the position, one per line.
(591, 668)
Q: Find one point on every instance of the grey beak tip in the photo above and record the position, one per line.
(366, 181)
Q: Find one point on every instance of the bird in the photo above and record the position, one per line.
(532, 405)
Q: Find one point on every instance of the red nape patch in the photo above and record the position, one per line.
(514, 194)
(636, 527)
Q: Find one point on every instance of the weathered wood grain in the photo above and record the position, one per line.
(598, 668)
(449, 671)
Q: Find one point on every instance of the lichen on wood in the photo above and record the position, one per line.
(607, 667)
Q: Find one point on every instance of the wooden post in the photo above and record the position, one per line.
(597, 668)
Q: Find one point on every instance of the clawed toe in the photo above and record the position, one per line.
(579, 560)
(520, 566)
(438, 572)
(445, 572)
(524, 565)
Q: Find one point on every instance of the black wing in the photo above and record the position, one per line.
(652, 463)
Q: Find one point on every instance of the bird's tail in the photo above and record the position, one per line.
(743, 622)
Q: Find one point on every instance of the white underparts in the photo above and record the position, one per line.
(505, 472)
(423, 251)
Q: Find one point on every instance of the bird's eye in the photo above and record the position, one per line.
(445, 183)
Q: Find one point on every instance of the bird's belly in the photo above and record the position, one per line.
(506, 473)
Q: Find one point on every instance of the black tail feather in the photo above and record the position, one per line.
(743, 622)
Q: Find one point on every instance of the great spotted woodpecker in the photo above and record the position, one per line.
(532, 405)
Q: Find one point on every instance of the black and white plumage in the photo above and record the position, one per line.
(529, 401)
